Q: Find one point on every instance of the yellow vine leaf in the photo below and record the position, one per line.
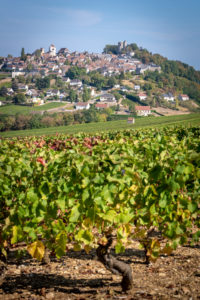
(36, 250)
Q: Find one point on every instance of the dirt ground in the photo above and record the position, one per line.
(80, 276)
(171, 112)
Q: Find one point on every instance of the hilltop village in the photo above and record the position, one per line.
(117, 80)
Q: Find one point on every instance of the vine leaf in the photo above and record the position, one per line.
(36, 250)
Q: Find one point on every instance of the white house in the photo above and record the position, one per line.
(51, 93)
(168, 97)
(17, 73)
(23, 87)
(82, 105)
(62, 95)
(107, 98)
(66, 79)
(137, 87)
(92, 92)
(183, 97)
(10, 91)
(142, 96)
(143, 110)
(37, 100)
(75, 82)
(32, 93)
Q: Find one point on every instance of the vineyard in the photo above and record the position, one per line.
(94, 128)
(69, 194)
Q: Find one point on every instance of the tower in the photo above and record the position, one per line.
(52, 50)
(124, 44)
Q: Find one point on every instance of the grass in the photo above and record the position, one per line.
(14, 109)
(6, 84)
(191, 119)
(5, 75)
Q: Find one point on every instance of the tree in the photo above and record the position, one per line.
(66, 63)
(9, 123)
(111, 49)
(3, 91)
(177, 103)
(22, 122)
(29, 67)
(72, 96)
(21, 79)
(75, 72)
(14, 86)
(133, 46)
(86, 94)
(111, 82)
(19, 98)
(23, 55)
(78, 117)
(42, 83)
(37, 53)
(97, 80)
(68, 118)
(132, 107)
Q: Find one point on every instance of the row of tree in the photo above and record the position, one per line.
(36, 120)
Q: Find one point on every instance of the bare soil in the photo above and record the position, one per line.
(171, 112)
(80, 276)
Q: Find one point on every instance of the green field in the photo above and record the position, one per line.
(15, 109)
(6, 84)
(190, 119)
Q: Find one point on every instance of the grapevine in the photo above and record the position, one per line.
(80, 190)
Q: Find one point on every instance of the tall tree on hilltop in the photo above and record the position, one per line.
(23, 55)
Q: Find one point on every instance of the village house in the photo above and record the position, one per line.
(168, 97)
(82, 105)
(75, 83)
(32, 93)
(66, 79)
(142, 96)
(17, 73)
(9, 91)
(142, 69)
(154, 67)
(137, 87)
(53, 92)
(130, 120)
(107, 98)
(62, 95)
(183, 97)
(143, 110)
(101, 106)
(36, 100)
(22, 87)
(63, 51)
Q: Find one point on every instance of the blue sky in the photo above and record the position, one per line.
(168, 27)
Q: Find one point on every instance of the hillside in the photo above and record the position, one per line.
(123, 81)
(175, 75)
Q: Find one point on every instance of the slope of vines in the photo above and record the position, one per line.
(79, 190)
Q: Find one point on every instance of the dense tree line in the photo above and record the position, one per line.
(36, 120)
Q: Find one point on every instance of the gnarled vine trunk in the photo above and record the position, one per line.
(115, 266)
